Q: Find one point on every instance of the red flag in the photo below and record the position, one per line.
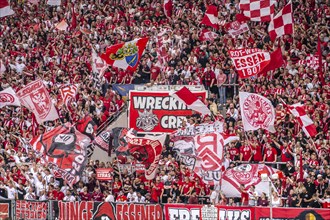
(64, 150)
(35, 97)
(282, 23)
(319, 51)
(87, 126)
(73, 19)
(276, 61)
(185, 96)
(211, 17)
(249, 62)
(125, 55)
(168, 7)
(5, 9)
(241, 18)
(147, 150)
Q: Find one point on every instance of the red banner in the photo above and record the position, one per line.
(29, 210)
(183, 211)
(292, 213)
(249, 62)
(157, 111)
(104, 173)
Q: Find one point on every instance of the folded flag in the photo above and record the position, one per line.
(125, 55)
(8, 98)
(185, 96)
(5, 9)
(276, 61)
(211, 17)
(257, 112)
(282, 23)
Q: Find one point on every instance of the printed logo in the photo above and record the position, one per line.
(41, 102)
(146, 121)
(128, 52)
(257, 111)
(235, 25)
(6, 97)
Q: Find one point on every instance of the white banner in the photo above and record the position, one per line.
(236, 28)
(257, 112)
(8, 97)
(54, 2)
(35, 97)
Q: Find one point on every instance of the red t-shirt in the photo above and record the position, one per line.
(246, 151)
(257, 155)
(186, 187)
(97, 196)
(85, 197)
(285, 155)
(270, 154)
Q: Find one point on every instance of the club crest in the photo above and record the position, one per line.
(128, 52)
(146, 121)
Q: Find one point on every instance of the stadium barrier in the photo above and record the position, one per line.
(88, 210)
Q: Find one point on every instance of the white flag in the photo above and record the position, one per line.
(8, 97)
(54, 2)
(35, 97)
(62, 26)
(257, 112)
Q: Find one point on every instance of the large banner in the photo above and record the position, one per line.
(106, 211)
(292, 213)
(31, 210)
(157, 111)
(63, 149)
(194, 212)
(249, 62)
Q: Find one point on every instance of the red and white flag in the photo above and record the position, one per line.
(168, 7)
(257, 112)
(209, 149)
(228, 138)
(276, 61)
(68, 93)
(236, 28)
(249, 62)
(147, 150)
(282, 23)
(64, 150)
(257, 10)
(98, 65)
(207, 35)
(125, 55)
(211, 17)
(62, 26)
(5, 9)
(54, 2)
(35, 97)
(247, 174)
(307, 125)
(185, 96)
(8, 98)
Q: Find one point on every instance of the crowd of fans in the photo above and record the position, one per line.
(31, 47)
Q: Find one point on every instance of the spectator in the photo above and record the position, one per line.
(193, 198)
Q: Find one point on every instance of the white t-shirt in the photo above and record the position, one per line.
(110, 198)
(11, 192)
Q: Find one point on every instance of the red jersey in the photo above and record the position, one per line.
(85, 197)
(246, 151)
(97, 196)
(186, 187)
(270, 154)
